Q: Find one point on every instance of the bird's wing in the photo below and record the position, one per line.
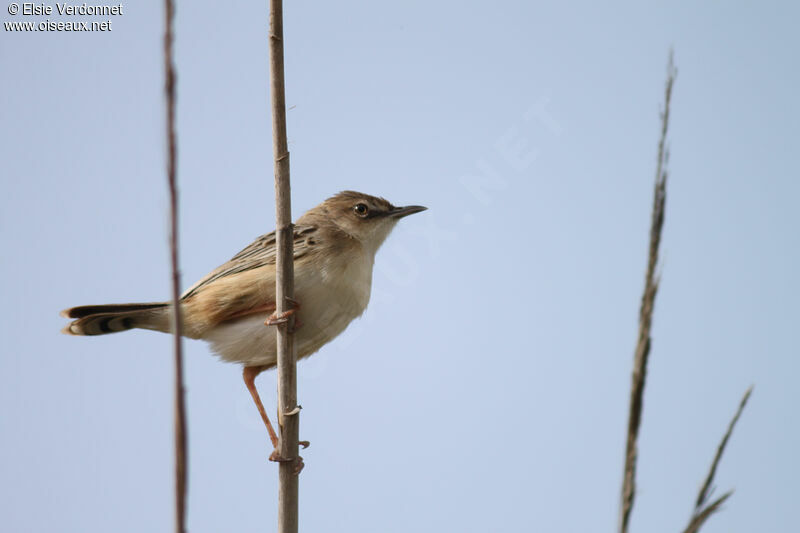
(260, 253)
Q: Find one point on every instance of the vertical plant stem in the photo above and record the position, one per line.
(284, 290)
(702, 508)
(646, 314)
(179, 407)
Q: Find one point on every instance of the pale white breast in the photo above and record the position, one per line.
(331, 294)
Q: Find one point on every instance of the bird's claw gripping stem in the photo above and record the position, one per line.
(278, 458)
(274, 319)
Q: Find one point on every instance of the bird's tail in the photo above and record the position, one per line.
(102, 319)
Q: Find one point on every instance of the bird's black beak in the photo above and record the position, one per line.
(400, 212)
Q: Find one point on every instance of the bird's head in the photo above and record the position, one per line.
(368, 219)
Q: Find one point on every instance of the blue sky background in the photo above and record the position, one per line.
(486, 387)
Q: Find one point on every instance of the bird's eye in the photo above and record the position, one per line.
(361, 210)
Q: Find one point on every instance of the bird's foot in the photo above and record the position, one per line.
(274, 319)
(276, 457)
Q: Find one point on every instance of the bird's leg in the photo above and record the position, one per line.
(249, 373)
(275, 319)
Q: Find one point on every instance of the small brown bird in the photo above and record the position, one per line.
(334, 251)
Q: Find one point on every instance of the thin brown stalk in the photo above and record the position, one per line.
(288, 417)
(179, 407)
(702, 509)
(700, 518)
(646, 313)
